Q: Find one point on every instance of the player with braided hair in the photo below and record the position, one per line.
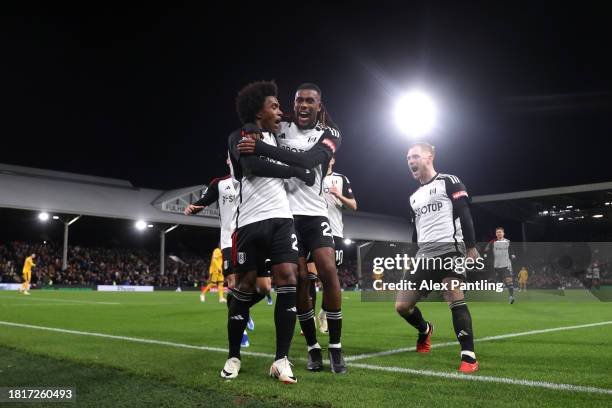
(309, 140)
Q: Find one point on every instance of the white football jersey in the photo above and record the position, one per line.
(438, 230)
(227, 210)
(501, 253)
(304, 200)
(334, 206)
(222, 191)
(258, 198)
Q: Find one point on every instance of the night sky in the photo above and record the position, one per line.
(147, 94)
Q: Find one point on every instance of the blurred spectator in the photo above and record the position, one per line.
(98, 266)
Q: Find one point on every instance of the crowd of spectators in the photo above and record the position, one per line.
(93, 266)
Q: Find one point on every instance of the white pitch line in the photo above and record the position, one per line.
(426, 373)
(483, 378)
(132, 339)
(489, 338)
(58, 300)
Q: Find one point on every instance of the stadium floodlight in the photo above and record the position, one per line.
(570, 206)
(55, 217)
(140, 225)
(150, 226)
(415, 114)
(608, 203)
(43, 216)
(561, 218)
(347, 241)
(598, 216)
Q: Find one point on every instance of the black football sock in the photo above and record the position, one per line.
(462, 322)
(334, 326)
(238, 316)
(415, 319)
(284, 318)
(229, 298)
(511, 290)
(307, 324)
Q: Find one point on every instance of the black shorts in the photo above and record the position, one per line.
(228, 268)
(503, 274)
(272, 239)
(435, 272)
(312, 232)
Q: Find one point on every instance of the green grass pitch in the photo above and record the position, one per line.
(168, 351)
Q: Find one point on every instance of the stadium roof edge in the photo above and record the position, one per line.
(544, 192)
(67, 193)
(62, 175)
(165, 195)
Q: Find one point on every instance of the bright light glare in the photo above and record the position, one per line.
(43, 216)
(55, 217)
(348, 241)
(598, 216)
(140, 225)
(415, 114)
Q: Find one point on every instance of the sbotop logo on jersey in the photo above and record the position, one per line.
(293, 149)
(432, 207)
(241, 258)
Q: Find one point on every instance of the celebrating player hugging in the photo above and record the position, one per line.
(264, 228)
(309, 140)
(283, 173)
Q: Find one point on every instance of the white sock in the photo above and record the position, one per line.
(314, 346)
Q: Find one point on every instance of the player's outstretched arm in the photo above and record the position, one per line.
(256, 166)
(210, 196)
(319, 154)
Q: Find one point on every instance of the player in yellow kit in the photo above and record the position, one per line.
(216, 276)
(523, 275)
(27, 274)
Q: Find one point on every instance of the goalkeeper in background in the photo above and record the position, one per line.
(27, 274)
(523, 276)
(215, 276)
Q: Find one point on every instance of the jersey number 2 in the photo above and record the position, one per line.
(294, 243)
(326, 229)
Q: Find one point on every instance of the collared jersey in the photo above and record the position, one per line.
(258, 198)
(303, 199)
(437, 226)
(334, 206)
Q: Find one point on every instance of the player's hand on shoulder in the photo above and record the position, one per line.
(193, 209)
(306, 175)
(248, 137)
(247, 145)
